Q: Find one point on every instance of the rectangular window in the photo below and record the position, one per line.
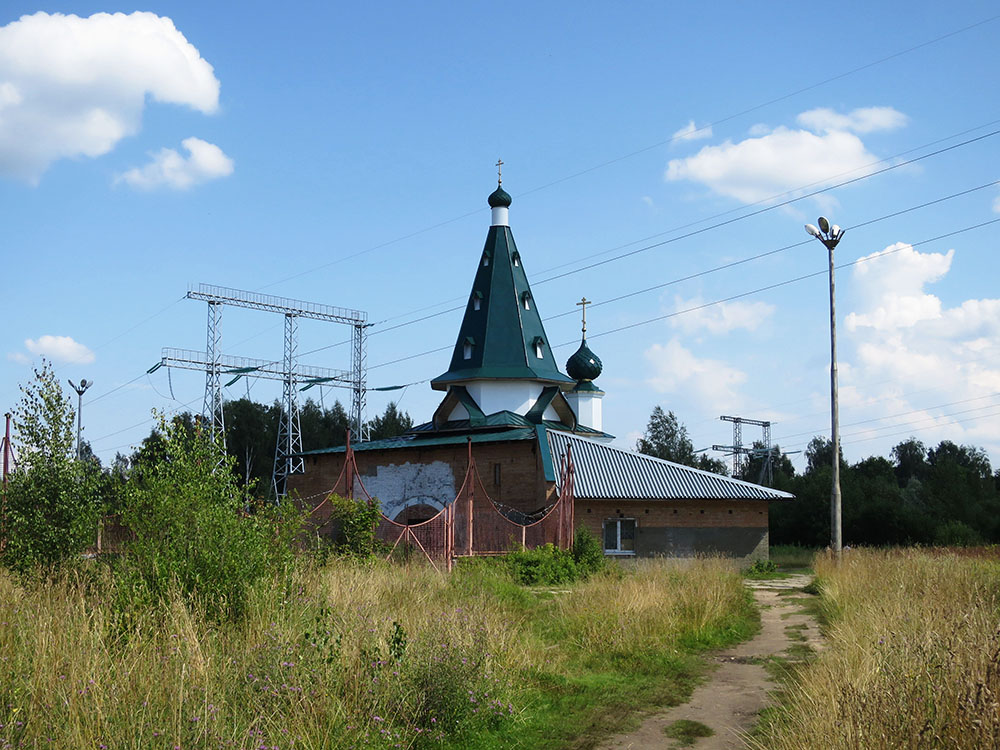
(619, 536)
(496, 474)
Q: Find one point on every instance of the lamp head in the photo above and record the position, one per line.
(811, 229)
(824, 225)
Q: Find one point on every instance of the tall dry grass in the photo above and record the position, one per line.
(346, 655)
(913, 657)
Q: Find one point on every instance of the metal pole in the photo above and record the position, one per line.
(830, 236)
(80, 390)
(3, 498)
(836, 539)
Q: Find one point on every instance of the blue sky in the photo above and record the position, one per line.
(343, 154)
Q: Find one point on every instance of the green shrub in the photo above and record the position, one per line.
(588, 552)
(197, 529)
(544, 565)
(761, 567)
(51, 511)
(357, 522)
(956, 534)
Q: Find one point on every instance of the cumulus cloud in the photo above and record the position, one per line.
(692, 132)
(720, 318)
(892, 282)
(205, 161)
(773, 162)
(678, 370)
(56, 348)
(906, 339)
(72, 86)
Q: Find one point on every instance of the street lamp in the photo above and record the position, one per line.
(830, 236)
(80, 390)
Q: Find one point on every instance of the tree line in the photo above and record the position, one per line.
(932, 495)
(198, 519)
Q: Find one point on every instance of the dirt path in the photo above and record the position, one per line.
(732, 696)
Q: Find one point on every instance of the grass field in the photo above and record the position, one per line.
(912, 661)
(352, 655)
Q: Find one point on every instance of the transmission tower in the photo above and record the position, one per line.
(740, 453)
(212, 362)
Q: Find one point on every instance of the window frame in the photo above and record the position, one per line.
(617, 520)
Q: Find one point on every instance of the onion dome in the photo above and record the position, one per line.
(584, 364)
(499, 198)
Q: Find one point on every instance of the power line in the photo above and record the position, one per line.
(730, 298)
(646, 149)
(706, 229)
(772, 207)
(782, 283)
(900, 414)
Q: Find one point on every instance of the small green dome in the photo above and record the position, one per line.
(584, 365)
(499, 198)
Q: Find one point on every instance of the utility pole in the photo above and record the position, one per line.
(830, 237)
(6, 471)
(80, 390)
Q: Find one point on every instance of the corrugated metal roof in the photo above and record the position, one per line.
(605, 472)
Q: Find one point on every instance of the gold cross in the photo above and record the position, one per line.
(583, 303)
(499, 173)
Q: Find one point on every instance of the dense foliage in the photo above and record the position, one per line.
(51, 509)
(667, 438)
(944, 495)
(196, 528)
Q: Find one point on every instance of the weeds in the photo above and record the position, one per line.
(357, 654)
(913, 657)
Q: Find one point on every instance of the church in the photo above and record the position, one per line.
(530, 437)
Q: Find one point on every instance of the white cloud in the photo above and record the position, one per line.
(996, 204)
(865, 120)
(758, 168)
(58, 349)
(205, 161)
(72, 86)
(708, 381)
(720, 318)
(647, 200)
(773, 162)
(907, 340)
(692, 132)
(891, 283)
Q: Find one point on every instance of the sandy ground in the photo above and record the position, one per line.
(732, 696)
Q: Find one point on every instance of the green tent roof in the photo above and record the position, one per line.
(502, 338)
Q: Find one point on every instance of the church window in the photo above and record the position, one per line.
(486, 258)
(526, 300)
(496, 474)
(467, 347)
(516, 259)
(539, 352)
(477, 300)
(619, 536)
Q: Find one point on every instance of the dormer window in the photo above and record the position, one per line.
(516, 259)
(526, 300)
(467, 347)
(537, 343)
(486, 258)
(477, 300)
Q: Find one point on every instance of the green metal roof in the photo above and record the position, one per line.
(416, 440)
(501, 335)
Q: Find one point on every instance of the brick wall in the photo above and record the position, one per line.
(685, 528)
(511, 473)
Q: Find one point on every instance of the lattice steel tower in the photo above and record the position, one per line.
(289, 444)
